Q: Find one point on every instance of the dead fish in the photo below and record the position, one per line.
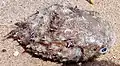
(64, 34)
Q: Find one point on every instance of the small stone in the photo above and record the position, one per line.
(16, 53)
(4, 50)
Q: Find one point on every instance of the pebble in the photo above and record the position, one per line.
(16, 53)
(4, 50)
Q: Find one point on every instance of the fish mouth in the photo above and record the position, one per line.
(89, 52)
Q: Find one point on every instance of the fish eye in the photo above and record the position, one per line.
(103, 50)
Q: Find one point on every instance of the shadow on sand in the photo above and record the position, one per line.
(95, 63)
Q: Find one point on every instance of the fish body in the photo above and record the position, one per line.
(64, 34)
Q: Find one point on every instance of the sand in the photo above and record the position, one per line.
(12, 11)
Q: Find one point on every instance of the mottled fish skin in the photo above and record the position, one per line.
(61, 33)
